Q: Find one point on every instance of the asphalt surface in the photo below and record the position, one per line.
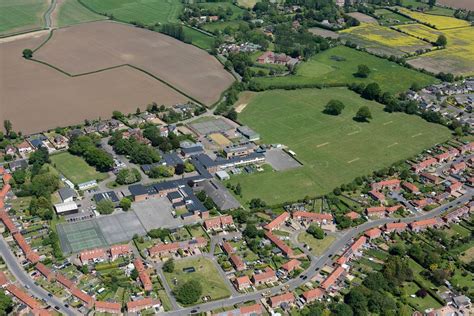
(26, 281)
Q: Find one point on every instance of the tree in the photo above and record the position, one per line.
(117, 115)
(128, 176)
(188, 292)
(6, 304)
(341, 309)
(363, 71)
(315, 231)
(232, 115)
(7, 124)
(105, 207)
(334, 107)
(363, 115)
(134, 274)
(357, 299)
(27, 53)
(431, 3)
(125, 204)
(168, 267)
(442, 40)
(160, 233)
(372, 91)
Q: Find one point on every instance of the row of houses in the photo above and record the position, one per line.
(100, 254)
(162, 249)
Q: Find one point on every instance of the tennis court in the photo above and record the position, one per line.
(75, 237)
(211, 126)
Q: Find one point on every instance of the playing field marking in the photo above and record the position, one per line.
(389, 122)
(323, 144)
(416, 135)
(353, 133)
(353, 160)
(394, 144)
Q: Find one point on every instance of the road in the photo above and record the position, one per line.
(321, 261)
(25, 280)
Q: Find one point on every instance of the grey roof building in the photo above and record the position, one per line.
(219, 194)
(67, 194)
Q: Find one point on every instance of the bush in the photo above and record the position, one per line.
(128, 176)
(315, 231)
(105, 207)
(188, 292)
(169, 266)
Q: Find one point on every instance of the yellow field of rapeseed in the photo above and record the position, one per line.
(438, 21)
(420, 31)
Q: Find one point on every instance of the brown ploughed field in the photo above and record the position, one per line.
(36, 97)
(93, 46)
(459, 4)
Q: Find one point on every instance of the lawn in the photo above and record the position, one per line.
(456, 229)
(338, 65)
(236, 11)
(467, 256)
(21, 15)
(206, 273)
(72, 12)
(438, 21)
(318, 246)
(387, 17)
(333, 149)
(421, 304)
(247, 3)
(75, 168)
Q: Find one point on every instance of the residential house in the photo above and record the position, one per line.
(287, 251)
(237, 262)
(141, 304)
(424, 164)
(310, 217)
(410, 187)
(108, 307)
(395, 227)
(392, 185)
(172, 248)
(242, 283)
(221, 222)
(424, 224)
(352, 215)
(278, 300)
(45, 271)
(93, 254)
(277, 222)
(312, 295)
(377, 211)
(291, 265)
(119, 251)
(331, 280)
(377, 196)
(373, 233)
(430, 178)
(264, 277)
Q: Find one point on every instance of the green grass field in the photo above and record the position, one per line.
(333, 149)
(317, 246)
(199, 39)
(420, 303)
(72, 12)
(338, 65)
(206, 273)
(387, 17)
(21, 15)
(75, 168)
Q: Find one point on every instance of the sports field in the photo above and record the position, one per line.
(438, 21)
(71, 12)
(333, 149)
(21, 15)
(382, 40)
(75, 168)
(338, 65)
(206, 273)
(75, 237)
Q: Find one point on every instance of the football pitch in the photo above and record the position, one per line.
(333, 149)
(75, 237)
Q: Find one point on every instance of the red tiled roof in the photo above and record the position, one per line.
(394, 208)
(411, 187)
(280, 244)
(385, 184)
(317, 217)
(255, 309)
(332, 278)
(291, 265)
(237, 262)
(353, 215)
(278, 221)
(375, 209)
(313, 294)
(119, 250)
(264, 276)
(282, 298)
(243, 280)
(64, 281)
(8, 222)
(171, 247)
(424, 223)
(82, 296)
(395, 226)
(228, 247)
(373, 233)
(108, 306)
(98, 253)
(23, 297)
(358, 243)
(141, 304)
(220, 221)
(138, 263)
(377, 195)
(3, 279)
(44, 270)
(146, 281)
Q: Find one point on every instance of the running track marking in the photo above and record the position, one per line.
(394, 144)
(389, 122)
(323, 144)
(416, 135)
(353, 160)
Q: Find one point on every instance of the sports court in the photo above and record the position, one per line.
(75, 237)
(211, 126)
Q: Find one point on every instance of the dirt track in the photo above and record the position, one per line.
(36, 97)
(461, 4)
(91, 46)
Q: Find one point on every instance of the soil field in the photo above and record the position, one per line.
(21, 15)
(36, 97)
(363, 17)
(323, 32)
(100, 45)
(461, 4)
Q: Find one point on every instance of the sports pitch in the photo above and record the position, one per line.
(75, 237)
(333, 149)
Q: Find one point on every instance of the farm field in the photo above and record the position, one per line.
(323, 32)
(21, 15)
(206, 273)
(188, 69)
(199, 39)
(434, 10)
(420, 31)
(439, 22)
(333, 149)
(48, 97)
(247, 3)
(462, 4)
(69, 12)
(75, 168)
(387, 17)
(382, 40)
(338, 65)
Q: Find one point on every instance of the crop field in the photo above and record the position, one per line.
(247, 3)
(438, 21)
(420, 31)
(90, 47)
(53, 97)
(21, 15)
(433, 10)
(338, 65)
(461, 4)
(323, 32)
(387, 17)
(236, 11)
(382, 40)
(363, 18)
(457, 58)
(71, 12)
(333, 149)
(75, 168)
(199, 39)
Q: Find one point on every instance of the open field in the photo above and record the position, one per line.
(323, 32)
(338, 65)
(206, 273)
(457, 58)
(382, 40)
(69, 12)
(247, 3)
(317, 246)
(421, 303)
(75, 168)
(414, 4)
(438, 21)
(21, 15)
(363, 18)
(53, 98)
(387, 17)
(199, 39)
(461, 4)
(185, 67)
(420, 31)
(333, 149)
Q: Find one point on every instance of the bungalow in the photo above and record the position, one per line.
(373, 233)
(141, 304)
(377, 211)
(291, 265)
(424, 224)
(277, 222)
(264, 277)
(243, 283)
(93, 254)
(108, 307)
(221, 222)
(312, 295)
(377, 196)
(309, 217)
(424, 164)
(329, 282)
(120, 250)
(237, 262)
(287, 251)
(352, 215)
(410, 187)
(395, 227)
(278, 300)
(392, 185)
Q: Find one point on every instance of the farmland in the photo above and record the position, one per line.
(462, 4)
(189, 69)
(420, 31)
(75, 168)
(338, 65)
(231, 21)
(333, 149)
(439, 22)
(72, 12)
(382, 40)
(53, 97)
(387, 17)
(21, 15)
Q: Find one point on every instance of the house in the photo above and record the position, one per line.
(373, 233)
(67, 194)
(264, 277)
(93, 254)
(376, 211)
(291, 265)
(64, 281)
(458, 167)
(455, 215)
(237, 262)
(331, 280)
(18, 164)
(227, 247)
(287, 251)
(377, 196)
(462, 302)
(392, 185)
(309, 217)
(119, 251)
(45, 271)
(80, 295)
(424, 224)
(108, 307)
(395, 227)
(171, 248)
(242, 283)
(248, 310)
(424, 164)
(278, 300)
(421, 203)
(410, 187)
(141, 304)
(24, 147)
(454, 187)
(352, 215)
(23, 297)
(66, 208)
(277, 222)
(312, 295)
(430, 178)
(29, 253)
(221, 222)
(352, 251)
(10, 150)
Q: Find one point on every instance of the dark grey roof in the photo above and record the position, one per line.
(192, 150)
(219, 194)
(106, 196)
(171, 159)
(138, 189)
(174, 195)
(22, 163)
(66, 193)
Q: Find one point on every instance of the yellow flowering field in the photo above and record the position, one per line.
(438, 21)
(420, 31)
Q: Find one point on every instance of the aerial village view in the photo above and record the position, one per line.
(237, 157)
